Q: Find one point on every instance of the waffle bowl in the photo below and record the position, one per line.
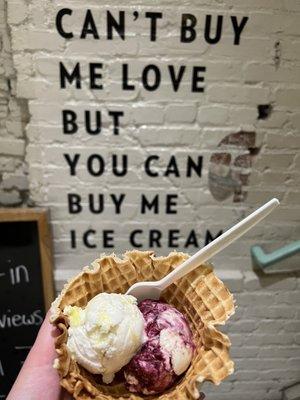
(199, 295)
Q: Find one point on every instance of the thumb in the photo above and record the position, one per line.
(37, 378)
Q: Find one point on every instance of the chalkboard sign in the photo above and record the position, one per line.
(26, 286)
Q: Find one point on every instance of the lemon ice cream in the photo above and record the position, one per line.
(105, 335)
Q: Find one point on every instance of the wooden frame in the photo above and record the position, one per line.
(40, 215)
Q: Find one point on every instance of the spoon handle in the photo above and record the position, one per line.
(219, 243)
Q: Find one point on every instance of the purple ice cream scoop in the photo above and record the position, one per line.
(166, 352)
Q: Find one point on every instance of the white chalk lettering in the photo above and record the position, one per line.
(22, 347)
(1, 369)
(16, 276)
(9, 320)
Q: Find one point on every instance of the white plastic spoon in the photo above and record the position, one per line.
(152, 290)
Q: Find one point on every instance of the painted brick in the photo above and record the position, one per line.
(8, 164)
(293, 198)
(242, 115)
(216, 115)
(148, 115)
(12, 147)
(275, 161)
(292, 392)
(295, 120)
(288, 297)
(235, 94)
(233, 279)
(14, 181)
(36, 40)
(255, 299)
(152, 136)
(180, 113)
(15, 128)
(17, 12)
(288, 97)
(11, 198)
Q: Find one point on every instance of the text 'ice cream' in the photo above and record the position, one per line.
(105, 335)
(166, 353)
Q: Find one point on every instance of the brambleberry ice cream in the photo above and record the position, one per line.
(106, 334)
(166, 353)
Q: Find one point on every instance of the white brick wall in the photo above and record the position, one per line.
(264, 335)
(13, 117)
(262, 70)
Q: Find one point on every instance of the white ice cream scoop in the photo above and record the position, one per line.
(105, 335)
(152, 290)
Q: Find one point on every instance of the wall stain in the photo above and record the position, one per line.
(277, 54)
(264, 111)
(230, 168)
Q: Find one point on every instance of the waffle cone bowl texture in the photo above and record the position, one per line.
(199, 295)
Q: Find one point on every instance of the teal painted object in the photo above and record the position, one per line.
(264, 260)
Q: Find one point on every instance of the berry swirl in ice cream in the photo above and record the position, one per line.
(166, 352)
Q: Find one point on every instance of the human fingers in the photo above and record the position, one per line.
(37, 378)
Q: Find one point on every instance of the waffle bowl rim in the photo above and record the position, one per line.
(95, 267)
